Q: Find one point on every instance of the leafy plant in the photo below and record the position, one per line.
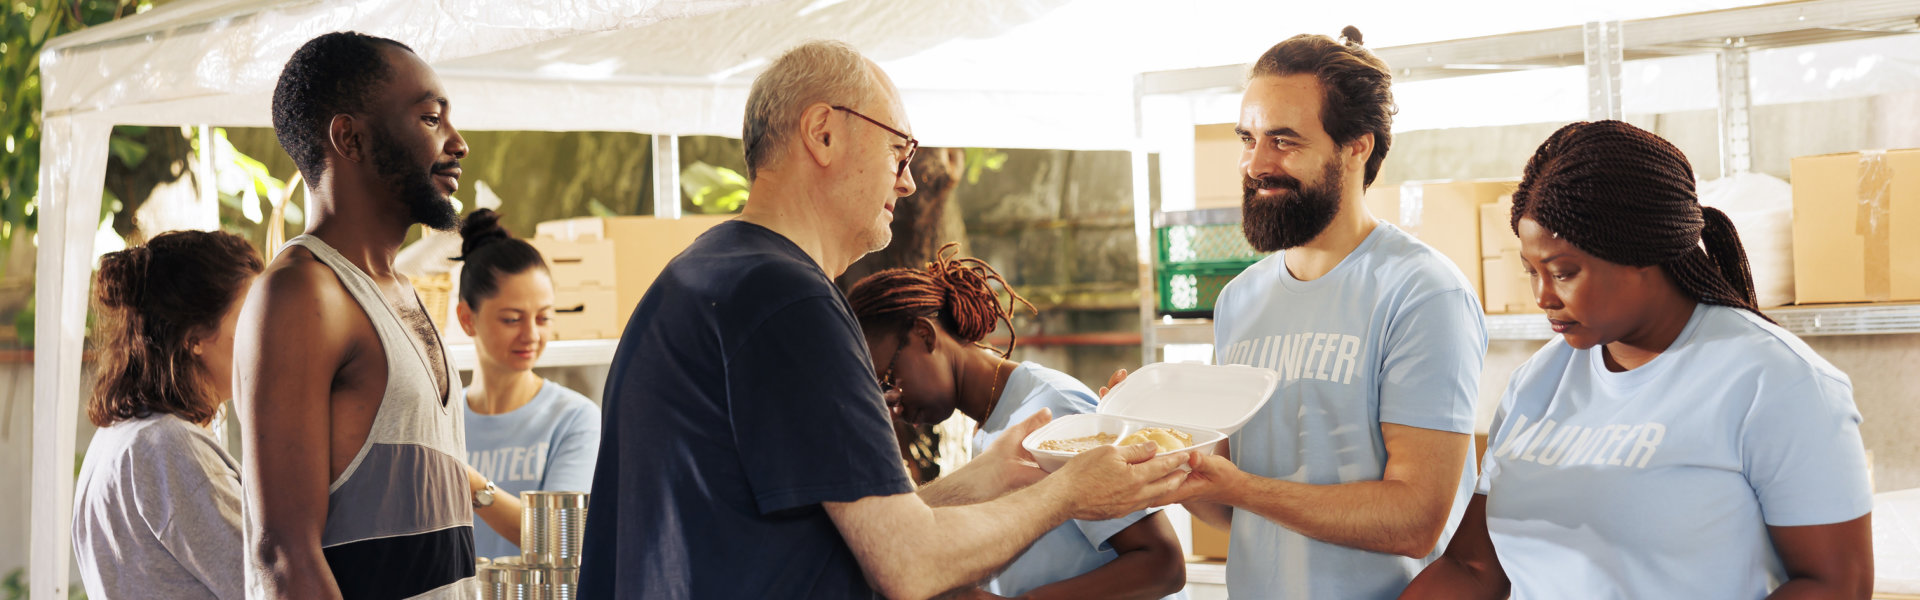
(716, 190)
(245, 184)
(27, 27)
(984, 159)
(14, 587)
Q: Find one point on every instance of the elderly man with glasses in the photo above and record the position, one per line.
(747, 450)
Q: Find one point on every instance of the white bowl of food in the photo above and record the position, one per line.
(1182, 407)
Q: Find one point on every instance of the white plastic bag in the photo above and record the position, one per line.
(1761, 207)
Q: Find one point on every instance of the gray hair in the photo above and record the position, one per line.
(816, 71)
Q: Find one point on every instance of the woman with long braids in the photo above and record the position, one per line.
(925, 328)
(1672, 442)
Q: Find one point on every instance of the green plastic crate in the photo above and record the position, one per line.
(1219, 245)
(1191, 291)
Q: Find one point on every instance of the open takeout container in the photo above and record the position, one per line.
(1208, 402)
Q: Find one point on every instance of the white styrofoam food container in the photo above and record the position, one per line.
(1208, 402)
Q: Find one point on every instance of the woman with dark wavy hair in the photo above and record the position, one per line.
(156, 513)
(1672, 442)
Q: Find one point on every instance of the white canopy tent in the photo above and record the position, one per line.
(999, 73)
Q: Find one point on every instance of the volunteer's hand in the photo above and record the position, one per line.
(1212, 476)
(1118, 376)
(1012, 467)
(1109, 482)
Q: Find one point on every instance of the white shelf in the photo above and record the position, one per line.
(564, 353)
(1804, 321)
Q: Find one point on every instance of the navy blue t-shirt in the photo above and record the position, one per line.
(742, 396)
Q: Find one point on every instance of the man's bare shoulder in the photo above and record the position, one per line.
(299, 295)
(296, 283)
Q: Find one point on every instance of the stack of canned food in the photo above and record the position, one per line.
(548, 568)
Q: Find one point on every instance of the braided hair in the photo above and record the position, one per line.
(952, 290)
(1627, 197)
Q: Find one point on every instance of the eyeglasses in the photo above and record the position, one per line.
(900, 171)
(887, 385)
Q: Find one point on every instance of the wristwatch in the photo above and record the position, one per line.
(483, 497)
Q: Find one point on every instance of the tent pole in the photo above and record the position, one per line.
(72, 172)
(666, 176)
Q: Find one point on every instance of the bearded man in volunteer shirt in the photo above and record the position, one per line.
(1356, 471)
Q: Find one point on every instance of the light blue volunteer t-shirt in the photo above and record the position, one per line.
(1075, 547)
(549, 444)
(1660, 482)
(1393, 334)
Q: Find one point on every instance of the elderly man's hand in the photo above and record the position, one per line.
(1011, 466)
(1109, 482)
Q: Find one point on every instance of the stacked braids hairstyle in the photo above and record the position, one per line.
(1627, 197)
(490, 252)
(154, 302)
(953, 291)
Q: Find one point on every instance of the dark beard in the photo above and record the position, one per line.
(425, 204)
(1293, 219)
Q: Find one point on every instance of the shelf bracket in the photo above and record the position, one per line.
(1736, 105)
(1604, 54)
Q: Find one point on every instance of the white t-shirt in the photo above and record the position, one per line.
(1660, 482)
(1393, 334)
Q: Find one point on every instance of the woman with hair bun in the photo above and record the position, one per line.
(1672, 442)
(925, 328)
(524, 433)
(156, 509)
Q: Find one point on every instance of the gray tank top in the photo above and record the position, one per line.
(400, 518)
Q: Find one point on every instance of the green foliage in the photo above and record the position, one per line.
(14, 587)
(716, 190)
(246, 186)
(983, 159)
(27, 26)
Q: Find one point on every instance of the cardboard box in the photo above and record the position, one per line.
(1856, 227)
(641, 248)
(1217, 180)
(1444, 214)
(578, 263)
(1209, 542)
(587, 314)
(1508, 289)
(1496, 228)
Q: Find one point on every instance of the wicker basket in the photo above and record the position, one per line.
(436, 292)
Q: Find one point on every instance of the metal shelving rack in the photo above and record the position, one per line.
(1843, 319)
(559, 353)
(1731, 35)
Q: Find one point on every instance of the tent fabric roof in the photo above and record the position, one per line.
(1029, 73)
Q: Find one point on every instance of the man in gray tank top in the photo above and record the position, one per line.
(352, 430)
